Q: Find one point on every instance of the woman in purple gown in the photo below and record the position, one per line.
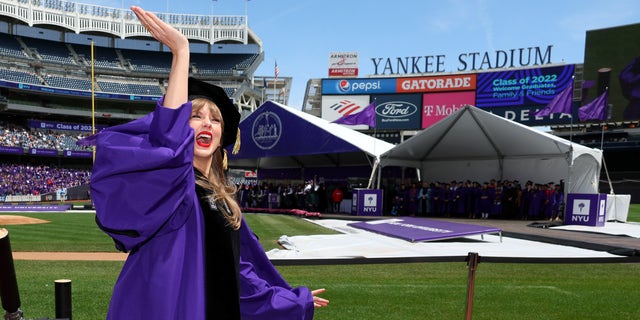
(160, 192)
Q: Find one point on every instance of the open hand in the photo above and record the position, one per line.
(160, 30)
(317, 301)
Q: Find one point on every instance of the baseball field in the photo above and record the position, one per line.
(70, 246)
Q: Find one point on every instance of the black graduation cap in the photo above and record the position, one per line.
(230, 114)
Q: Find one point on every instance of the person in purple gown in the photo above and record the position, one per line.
(525, 200)
(549, 202)
(160, 192)
(537, 202)
(436, 199)
(558, 210)
(485, 200)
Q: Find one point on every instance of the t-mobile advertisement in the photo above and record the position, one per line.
(436, 106)
(522, 87)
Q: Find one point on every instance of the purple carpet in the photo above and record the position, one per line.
(421, 229)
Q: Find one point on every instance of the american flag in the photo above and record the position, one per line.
(277, 70)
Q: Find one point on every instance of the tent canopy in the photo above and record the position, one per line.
(477, 145)
(277, 137)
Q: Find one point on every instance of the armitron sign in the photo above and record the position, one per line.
(343, 64)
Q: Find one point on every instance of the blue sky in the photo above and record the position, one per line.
(300, 34)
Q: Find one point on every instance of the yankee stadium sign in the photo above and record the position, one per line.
(470, 61)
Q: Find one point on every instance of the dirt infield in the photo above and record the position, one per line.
(71, 256)
(6, 219)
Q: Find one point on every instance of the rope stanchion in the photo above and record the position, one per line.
(63, 299)
(472, 260)
(8, 284)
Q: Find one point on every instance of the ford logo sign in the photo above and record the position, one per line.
(396, 109)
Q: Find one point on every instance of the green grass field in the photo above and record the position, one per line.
(373, 291)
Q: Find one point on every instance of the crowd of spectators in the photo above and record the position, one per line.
(310, 196)
(35, 179)
(19, 179)
(494, 199)
(12, 135)
(465, 199)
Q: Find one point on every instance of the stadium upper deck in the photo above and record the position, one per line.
(47, 47)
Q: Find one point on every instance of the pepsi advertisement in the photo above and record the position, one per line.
(358, 86)
(522, 87)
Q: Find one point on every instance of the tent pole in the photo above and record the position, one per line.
(379, 178)
(604, 163)
(567, 187)
(373, 172)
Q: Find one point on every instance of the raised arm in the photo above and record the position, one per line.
(179, 45)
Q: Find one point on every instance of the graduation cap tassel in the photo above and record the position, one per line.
(225, 163)
(236, 146)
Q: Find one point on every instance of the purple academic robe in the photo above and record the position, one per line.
(143, 188)
(264, 293)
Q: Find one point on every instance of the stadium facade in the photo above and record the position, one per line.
(66, 66)
(412, 93)
(69, 68)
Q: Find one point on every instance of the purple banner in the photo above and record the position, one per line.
(526, 115)
(586, 209)
(272, 131)
(28, 207)
(11, 150)
(78, 154)
(420, 229)
(522, 87)
(38, 124)
(366, 202)
(43, 152)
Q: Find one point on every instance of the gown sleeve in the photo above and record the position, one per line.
(264, 294)
(142, 181)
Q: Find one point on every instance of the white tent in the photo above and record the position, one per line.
(477, 145)
(276, 136)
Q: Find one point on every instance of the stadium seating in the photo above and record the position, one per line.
(58, 81)
(129, 86)
(63, 56)
(221, 64)
(147, 61)
(20, 179)
(12, 135)
(49, 51)
(19, 76)
(10, 47)
(103, 58)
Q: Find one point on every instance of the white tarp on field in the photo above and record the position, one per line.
(358, 243)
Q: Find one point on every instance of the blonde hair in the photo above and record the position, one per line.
(220, 191)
